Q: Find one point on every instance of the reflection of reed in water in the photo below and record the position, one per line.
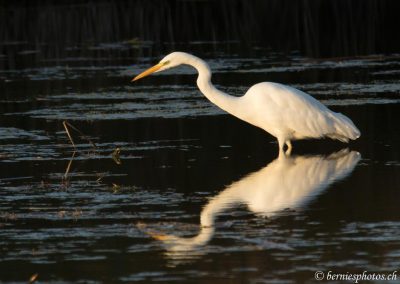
(286, 182)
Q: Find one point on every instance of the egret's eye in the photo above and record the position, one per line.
(165, 63)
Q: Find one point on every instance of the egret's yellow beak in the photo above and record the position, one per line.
(160, 237)
(148, 72)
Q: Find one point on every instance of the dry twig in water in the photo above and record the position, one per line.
(65, 177)
(67, 124)
(33, 278)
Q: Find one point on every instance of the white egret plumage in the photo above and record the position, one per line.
(284, 112)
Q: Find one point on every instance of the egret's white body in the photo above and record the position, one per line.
(285, 112)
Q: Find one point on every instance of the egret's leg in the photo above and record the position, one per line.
(281, 143)
(289, 147)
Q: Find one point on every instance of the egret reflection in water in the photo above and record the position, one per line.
(287, 182)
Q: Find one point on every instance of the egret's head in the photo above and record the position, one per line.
(171, 60)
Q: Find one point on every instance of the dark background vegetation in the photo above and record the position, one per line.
(56, 29)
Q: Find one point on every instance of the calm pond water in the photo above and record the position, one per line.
(194, 195)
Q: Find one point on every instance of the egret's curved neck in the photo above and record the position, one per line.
(224, 101)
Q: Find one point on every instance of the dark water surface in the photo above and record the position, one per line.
(91, 217)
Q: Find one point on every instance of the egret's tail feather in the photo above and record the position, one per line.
(345, 128)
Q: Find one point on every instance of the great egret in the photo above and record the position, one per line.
(285, 112)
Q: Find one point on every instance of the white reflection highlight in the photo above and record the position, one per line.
(287, 182)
